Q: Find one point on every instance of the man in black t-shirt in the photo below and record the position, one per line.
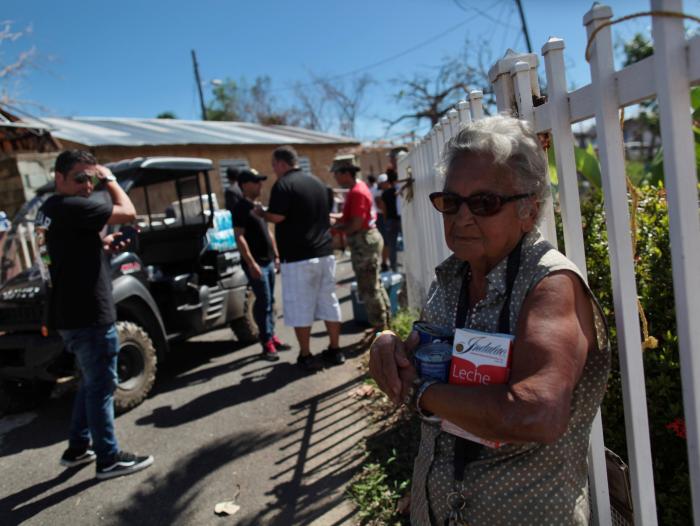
(300, 207)
(81, 306)
(260, 261)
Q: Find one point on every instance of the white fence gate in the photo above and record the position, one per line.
(666, 75)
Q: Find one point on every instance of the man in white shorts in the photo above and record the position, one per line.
(299, 207)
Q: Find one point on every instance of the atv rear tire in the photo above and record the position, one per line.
(136, 367)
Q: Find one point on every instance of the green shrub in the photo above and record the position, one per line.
(661, 365)
(386, 472)
(402, 323)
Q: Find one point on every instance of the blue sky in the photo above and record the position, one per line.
(132, 58)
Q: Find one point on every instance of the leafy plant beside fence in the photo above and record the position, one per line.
(661, 364)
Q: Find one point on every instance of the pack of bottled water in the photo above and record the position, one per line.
(221, 236)
(4, 222)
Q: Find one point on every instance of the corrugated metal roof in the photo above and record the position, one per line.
(99, 131)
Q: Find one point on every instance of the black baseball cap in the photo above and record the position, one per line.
(250, 176)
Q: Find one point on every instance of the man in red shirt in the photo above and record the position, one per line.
(358, 222)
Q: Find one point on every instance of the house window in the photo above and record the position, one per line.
(224, 164)
(305, 164)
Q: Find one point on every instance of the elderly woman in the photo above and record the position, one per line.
(503, 277)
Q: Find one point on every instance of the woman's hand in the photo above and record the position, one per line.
(390, 366)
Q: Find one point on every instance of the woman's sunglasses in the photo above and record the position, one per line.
(481, 204)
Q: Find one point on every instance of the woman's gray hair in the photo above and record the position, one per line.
(511, 143)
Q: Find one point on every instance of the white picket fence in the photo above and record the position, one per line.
(667, 75)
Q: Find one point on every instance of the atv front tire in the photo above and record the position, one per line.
(136, 366)
(244, 327)
(244, 330)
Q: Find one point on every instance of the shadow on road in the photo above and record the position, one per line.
(190, 355)
(48, 428)
(255, 384)
(12, 511)
(321, 463)
(166, 499)
(346, 281)
(346, 328)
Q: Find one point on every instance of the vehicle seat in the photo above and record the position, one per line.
(177, 244)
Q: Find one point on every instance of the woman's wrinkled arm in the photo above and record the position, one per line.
(554, 335)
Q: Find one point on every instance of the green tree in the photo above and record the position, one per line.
(240, 101)
(258, 104)
(225, 103)
(166, 115)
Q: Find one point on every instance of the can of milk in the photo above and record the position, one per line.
(434, 352)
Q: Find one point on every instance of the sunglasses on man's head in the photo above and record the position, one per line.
(479, 204)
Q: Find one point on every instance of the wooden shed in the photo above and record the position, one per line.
(27, 154)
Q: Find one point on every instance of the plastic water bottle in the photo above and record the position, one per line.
(4, 222)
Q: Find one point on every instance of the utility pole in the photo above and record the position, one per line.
(522, 21)
(199, 86)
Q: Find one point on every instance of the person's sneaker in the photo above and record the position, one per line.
(77, 456)
(123, 464)
(309, 363)
(269, 352)
(334, 356)
(280, 345)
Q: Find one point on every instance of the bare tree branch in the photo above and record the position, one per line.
(429, 96)
(13, 69)
(346, 100)
(24, 59)
(313, 108)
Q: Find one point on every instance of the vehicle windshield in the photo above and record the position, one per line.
(18, 248)
(172, 203)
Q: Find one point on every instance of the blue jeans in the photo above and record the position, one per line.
(264, 290)
(95, 350)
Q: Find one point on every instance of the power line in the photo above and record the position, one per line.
(484, 13)
(391, 58)
(523, 24)
(505, 33)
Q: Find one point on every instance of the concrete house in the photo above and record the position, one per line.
(225, 143)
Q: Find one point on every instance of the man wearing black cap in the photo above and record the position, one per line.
(260, 260)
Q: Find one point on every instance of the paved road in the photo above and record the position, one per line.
(219, 419)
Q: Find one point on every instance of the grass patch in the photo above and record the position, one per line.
(402, 323)
(385, 477)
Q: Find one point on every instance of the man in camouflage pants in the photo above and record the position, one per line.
(358, 222)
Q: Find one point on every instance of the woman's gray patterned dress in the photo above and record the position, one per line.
(523, 484)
